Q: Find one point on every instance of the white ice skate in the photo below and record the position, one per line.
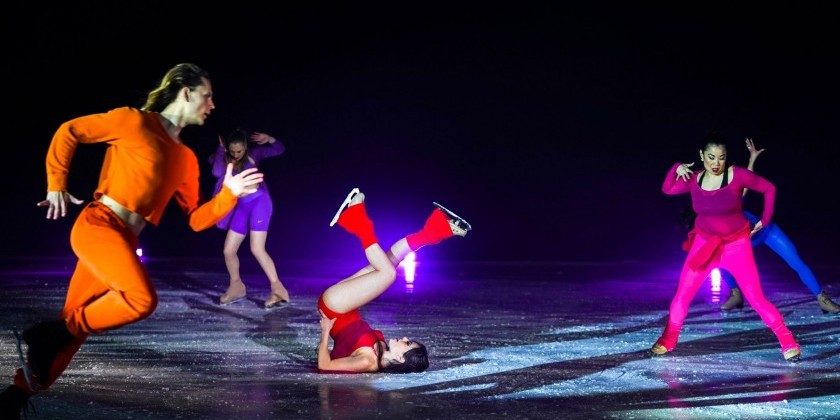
(463, 224)
(344, 205)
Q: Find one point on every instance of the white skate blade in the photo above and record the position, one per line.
(344, 205)
(460, 220)
(27, 372)
(230, 302)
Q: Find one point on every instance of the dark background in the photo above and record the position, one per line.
(549, 127)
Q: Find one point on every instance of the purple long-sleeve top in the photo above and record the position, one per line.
(720, 212)
(256, 153)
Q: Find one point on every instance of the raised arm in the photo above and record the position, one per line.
(757, 183)
(270, 146)
(96, 128)
(678, 178)
(218, 160)
(753, 156)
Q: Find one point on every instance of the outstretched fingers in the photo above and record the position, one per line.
(251, 176)
(57, 203)
(243, 183)
(251, 180)
(683, 171)
(754, 152)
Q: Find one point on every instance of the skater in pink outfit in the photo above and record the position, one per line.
(721, 238)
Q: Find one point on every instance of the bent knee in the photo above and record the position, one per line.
(390, 271)
(143, 304)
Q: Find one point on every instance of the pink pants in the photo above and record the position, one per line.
(737, 258)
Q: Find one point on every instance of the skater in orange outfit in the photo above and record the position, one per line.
(146, 165)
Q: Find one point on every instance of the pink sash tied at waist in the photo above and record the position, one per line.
(712, 248)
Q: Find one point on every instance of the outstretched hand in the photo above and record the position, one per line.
(243, 183)
(57, 203)
(683, 172)
(753, 152)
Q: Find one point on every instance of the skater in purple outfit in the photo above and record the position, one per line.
(251, 215)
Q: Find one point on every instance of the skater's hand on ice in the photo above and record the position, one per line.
(683, 172)
(243, 183)
(57, 203)
(756, 228)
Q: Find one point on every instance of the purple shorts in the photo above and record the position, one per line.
(251, 215)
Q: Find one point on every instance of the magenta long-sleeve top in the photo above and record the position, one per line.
(720, 212)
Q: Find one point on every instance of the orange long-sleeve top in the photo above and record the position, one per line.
(143, 168)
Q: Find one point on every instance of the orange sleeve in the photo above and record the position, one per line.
(95, 128)
(143, 167)
(188, 197)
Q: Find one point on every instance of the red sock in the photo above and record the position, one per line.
(355, 220)
(435, 230)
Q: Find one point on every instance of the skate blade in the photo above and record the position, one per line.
(344, 205)
(458, 219)
(27, 372)
(277, 305)
(232, 301)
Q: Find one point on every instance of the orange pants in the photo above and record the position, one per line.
(110, 287)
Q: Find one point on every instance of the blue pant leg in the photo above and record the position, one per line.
(783, 246)
(728, 278)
